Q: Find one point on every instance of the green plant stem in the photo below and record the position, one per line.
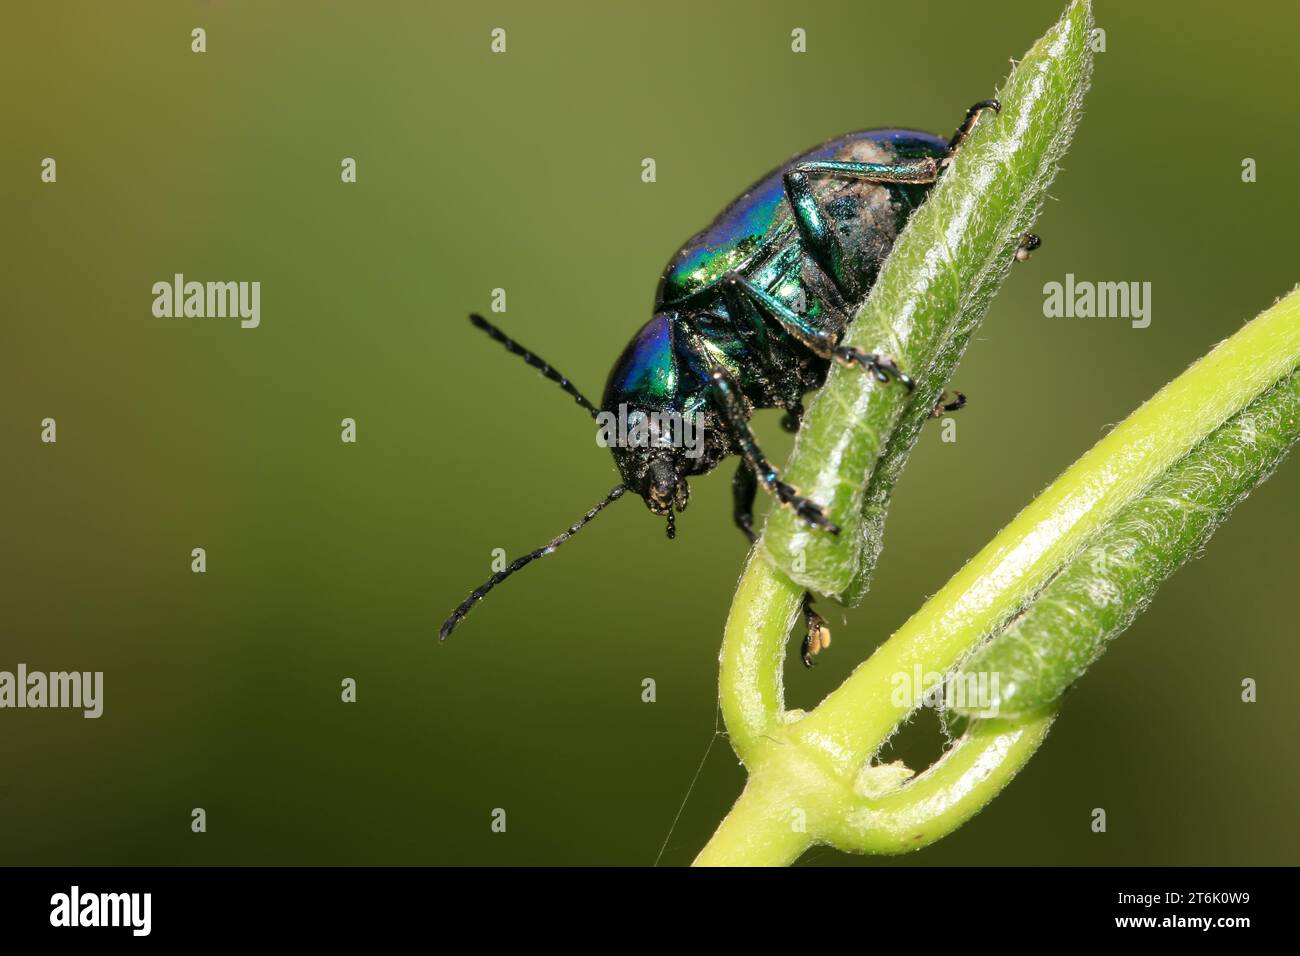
(979, 208)
(931, 293)
(812, 762)
(1095, 598)
(789, 789)
(930, 806)
(769, 825)
(852, 722)
(750, 688)
(812, 779)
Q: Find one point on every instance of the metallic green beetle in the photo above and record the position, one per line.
(750, 314)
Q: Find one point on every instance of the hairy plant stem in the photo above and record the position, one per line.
(930, 295)
(814, 770)
(812, 777)
(1036, 659)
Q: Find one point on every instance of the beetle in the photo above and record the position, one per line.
(749, 314)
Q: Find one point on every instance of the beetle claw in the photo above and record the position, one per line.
(968, 124)
(1028, 243)
(818, 636)
(881, 367)
(944, 404)
(805, 508)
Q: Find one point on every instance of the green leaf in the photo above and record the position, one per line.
(932, 292)
(1098, 594)
(1172, 469)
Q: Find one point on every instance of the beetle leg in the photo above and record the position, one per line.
(744, 486)
(792, 418)
(878, 365)
(816, 232)
(818, 236)
(730, 404)
(747, 322)
(941, 406)
(817, 637)
(819, 341)
(769, 307)
(968, 124)
(1028, 243)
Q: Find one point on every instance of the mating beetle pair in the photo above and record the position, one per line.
(750, 314)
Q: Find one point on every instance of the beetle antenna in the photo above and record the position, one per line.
(540, 364)
(672, 525)
(481, 591)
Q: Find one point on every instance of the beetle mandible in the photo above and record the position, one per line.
(749, 314)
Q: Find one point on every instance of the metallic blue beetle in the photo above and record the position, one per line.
(750, 314)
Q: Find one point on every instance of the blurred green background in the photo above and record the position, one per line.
(522, 171)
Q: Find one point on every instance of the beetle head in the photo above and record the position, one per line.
(663, 487)
(654, 450)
